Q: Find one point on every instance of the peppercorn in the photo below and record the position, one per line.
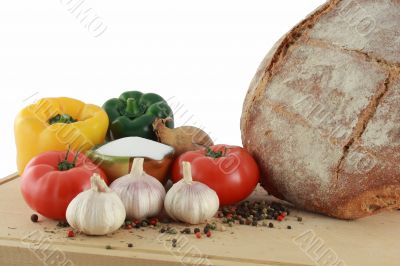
(197, 230)
(206, 229)
(174, 240)
(299, 219)
(213, 226)
(280, 218)
(108, 247)
(172, 231)
(144, 223)
(154, 221)
(186, 231)
(208, 234)
(130, 245)
(163, 230)
(70, 233)
(62, 224)
(242, 221)
(289, 227)
(270, 225)
(198, 234)
(264, 224)
(230, 224)
(137, 225)
(173, 245)
(254, 223)
(129, 226)
(34, 218)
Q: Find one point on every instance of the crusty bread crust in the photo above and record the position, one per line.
(321, 115)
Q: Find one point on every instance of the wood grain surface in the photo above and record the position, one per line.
(317, 240)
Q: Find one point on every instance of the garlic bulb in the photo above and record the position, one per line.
(191, 201)
(96, 211)
(141, 194)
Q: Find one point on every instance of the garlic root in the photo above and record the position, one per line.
(182, 139)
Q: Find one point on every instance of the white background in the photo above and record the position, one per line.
(203, 54)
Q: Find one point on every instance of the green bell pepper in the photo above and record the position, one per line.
(133, 114)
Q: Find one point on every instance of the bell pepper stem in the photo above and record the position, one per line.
(187, 172)
(132, 107)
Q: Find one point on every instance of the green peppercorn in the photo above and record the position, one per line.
(186, 231)
(264, 224)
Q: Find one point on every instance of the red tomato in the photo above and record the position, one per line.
(229, 170)
(48, 190)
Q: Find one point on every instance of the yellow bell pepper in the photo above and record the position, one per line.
(54, 124)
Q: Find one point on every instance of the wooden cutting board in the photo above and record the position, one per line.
(317, 240)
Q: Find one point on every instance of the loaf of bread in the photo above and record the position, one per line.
(322, 115)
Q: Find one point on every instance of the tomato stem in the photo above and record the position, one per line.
(65, 165)
(215, 154)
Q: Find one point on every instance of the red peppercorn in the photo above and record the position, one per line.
(229, 215)
(70, 233)
(198, 235)
(154, 221)
(136, 221)
(280, 218)
(208, 234)
(129, 226)
(284, 214)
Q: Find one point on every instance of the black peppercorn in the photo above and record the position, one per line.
(130, 245)
(34, 218)
(254, 223)
(206, 229)
(299, 219)
(289, 227)
(270, 225)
